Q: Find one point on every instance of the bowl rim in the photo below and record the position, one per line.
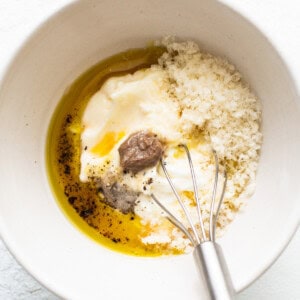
(5, 72)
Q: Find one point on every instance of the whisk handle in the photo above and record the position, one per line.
(213, 271)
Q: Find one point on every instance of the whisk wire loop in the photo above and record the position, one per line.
(219, 206)
(213, 200)
(186, 212)
(195, 186)
(175, 221)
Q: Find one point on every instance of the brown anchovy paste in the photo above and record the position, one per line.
(91, 206)
(117, 195)
(141, 150)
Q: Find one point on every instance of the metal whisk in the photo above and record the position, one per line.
(207, 253)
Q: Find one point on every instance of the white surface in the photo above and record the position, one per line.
(18, 19)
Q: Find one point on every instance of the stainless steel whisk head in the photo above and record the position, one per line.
(195, 237)
(207, 252)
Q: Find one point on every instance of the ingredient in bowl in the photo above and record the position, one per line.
(117, 195)
(130, 120)
(140, 151)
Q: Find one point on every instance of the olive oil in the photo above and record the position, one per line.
(80, 201)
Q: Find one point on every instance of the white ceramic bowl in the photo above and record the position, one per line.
(32, 225)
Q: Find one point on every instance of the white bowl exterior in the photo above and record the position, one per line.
(82, 34)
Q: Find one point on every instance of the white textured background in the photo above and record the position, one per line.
(279, 19)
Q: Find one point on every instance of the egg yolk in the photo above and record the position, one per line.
(107, 143)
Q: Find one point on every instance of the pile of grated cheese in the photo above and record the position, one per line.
(213, 96)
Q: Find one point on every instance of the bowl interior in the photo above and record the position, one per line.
(83, 33)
